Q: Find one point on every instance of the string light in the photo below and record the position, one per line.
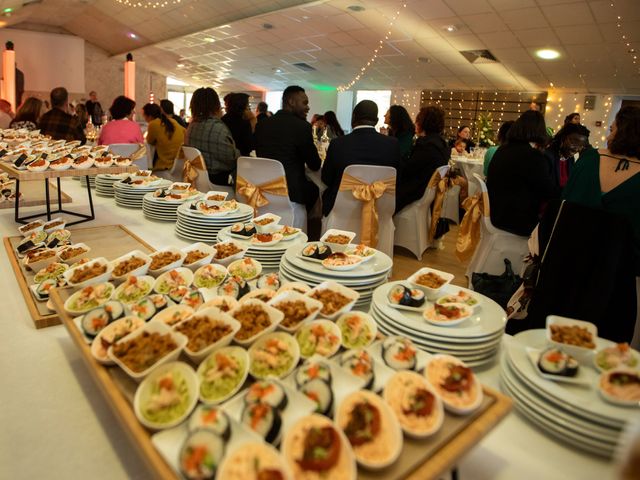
(373, 58)
(148, 3)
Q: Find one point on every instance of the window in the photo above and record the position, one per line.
(274, 100)
(382, 99)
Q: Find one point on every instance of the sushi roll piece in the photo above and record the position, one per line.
(211, 418)
(94, 321)
(320, 392)
(25, 246)
(249, 230)
(243, 286)
(263, 419)
(360, 364)
(270, 281)
(177, 294)
(20, 160)
(160, 301)
(53, 243)
(310, 251)
(323, 252)
(201, 455)
(555, 362)
(399, 353)
(312, 370)
(417, 297)
(127, 180)
(399, 295)
(231, 288)
(114, 308)
(144, 309)
(267, 392)
(43, 288)
(193, 206)
(237, 228)
(194, 299)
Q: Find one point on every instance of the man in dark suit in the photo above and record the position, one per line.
(286, 137)
(363, 146)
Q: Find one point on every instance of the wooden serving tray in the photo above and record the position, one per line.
(33, 195)
(70, 172)
(109, 241)
(422, 460)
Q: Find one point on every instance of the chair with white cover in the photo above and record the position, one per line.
(495, 245)
(346, 213)
(259, 171)
(413, 221)
(128, 149)
(203, 184)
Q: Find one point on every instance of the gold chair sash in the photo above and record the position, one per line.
(368, 194)
(442, 184)
(191, 169)
(141, 152)
(469, 232)
(255, 193)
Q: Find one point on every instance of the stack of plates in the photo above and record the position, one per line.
(104, 183)
(573, 414)
(131, 197)
(194, 226)
(268, 256)
(475, 341)
(92, 181)
(365, 278)
(162, 209)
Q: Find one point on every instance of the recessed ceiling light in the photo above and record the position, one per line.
(210, 39)
(450, 28)
(548, 54)
(132, 35)
(278, 70)
(180, 65)
(356, 8)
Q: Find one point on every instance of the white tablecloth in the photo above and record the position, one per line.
(55, 423)
(469, 166)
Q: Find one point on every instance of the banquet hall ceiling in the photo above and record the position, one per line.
(249, 44)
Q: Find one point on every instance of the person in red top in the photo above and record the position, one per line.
(122, 129)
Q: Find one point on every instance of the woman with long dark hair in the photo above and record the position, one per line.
(463, 134)
(238, 121)
(400, 126)
(121, 129)
(211, 136)
(28, 114)
(333, 126)
(165, 134)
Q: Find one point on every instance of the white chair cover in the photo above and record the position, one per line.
(495, 245)
(347, 210)
(128, 149)
(258, 170)
(413, 221)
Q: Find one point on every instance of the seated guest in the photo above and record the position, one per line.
(167, 108)
(262, 111)
(58, 123)
(502, 138)
(401, 127)
(464, 134)
(82, 114)
(572, 118)
(459, 148)
(121, 129)
(6, 115)
(286, 137)
(211, 136)
(333, 126)
(363, 146)
(28, 114)
(238, 121)
(519, 183)
(165, 134)
(564, 149)
(429, 152)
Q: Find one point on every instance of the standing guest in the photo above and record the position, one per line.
(94, 109)
(429, 152)
(58, 123)
(319, 127)
(121, 129)
(333, 126)
(572, 118)
(262, 111)
(28, 114)
(534, 106)
(563, 151)
(464, 134)
(363, 146)
(167, 109)
(238, 121)
(183, 115)
(519, 183)
(165, 134)
(6, 115)
(286, 137)
(401, 127)
(211, 136)
(502, 138)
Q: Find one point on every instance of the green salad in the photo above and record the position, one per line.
(221, 375)
(51, 272)
(208, 278)
(316, 338)
(168, 399)
(271, 359)
(355, 333)
(90, 297)
(132, 291)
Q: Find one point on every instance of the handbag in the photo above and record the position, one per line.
(499, 288)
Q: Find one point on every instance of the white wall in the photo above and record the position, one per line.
(48, 60)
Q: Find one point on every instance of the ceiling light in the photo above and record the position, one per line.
(278, 70)
(355, 8)
(180, 65)
(424, 60)
(210, 39)
(450, 28)
(548, 54)
(7, 10)
(132, 35)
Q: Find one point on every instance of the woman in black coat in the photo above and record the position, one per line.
(429, 152)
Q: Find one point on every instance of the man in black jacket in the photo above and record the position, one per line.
(286, 137)
(363, 146)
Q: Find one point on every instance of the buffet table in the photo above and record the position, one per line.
(51, 404)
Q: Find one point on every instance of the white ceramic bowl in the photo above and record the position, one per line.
(582, 354)
(337, 247)
(103, 162)
(237, 352)
(103, 277)
(142, 270)
(204, 248)
(299, 287)
(145, 282)
(210, 197)
(116, 329)
(151, 327)
(220, 301)
(50, 227)
(216, 315)
(37, 265)
(179, 187)
(362, 340)
(336, 287)
(211, 267)
(275, 317)
(88, 163)
(431, 293)
(41, 166)
(614, 399)
(275, 238)
(26, 232)
(271, 227)
(173, 315)
(431, 316)
(343, 264)
(170, 266)
(263, 294)
(314, 306)
(232, 258)
(184, 273)
(329, 328)
(236, 268)
(291, 348)
(144, 392)
(457, 409)
(71, 260)
(101, 300)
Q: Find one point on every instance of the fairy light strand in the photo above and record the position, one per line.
(148, 3)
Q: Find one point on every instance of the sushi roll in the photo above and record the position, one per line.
(263, 419)
(53, 243)
(245, 230)
(25, 246)
(399, 353)
(193, 206)
(267, 392)
(211, 418)
(360, 364)
(177, 294)
(201, 455)
(270, 281)
(144, 309)
(94, 321)
(312, 370)
(320, 392)
(20, 160)
(310, 251)
(160, 301)
(399, 295)
(114, 308)
(235, 287)
(555, 362)
(194, 299)
(417, 297)
(43, 288)
(323, 252)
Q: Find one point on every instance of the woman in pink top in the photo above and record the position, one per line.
(121, 129)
